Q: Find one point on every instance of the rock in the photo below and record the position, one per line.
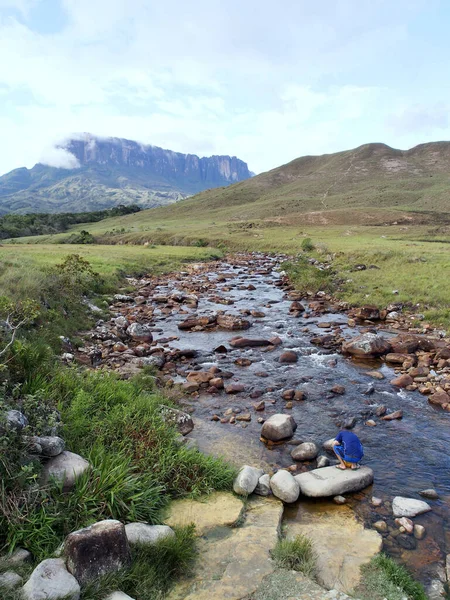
(430, 494)
(190, 387)
(285, 487)
(142, 533)
(50, 445)
(370, 423)
(404, 344)
(123, 298)
(375, 374)
(196, 322)
(97, 550)
(329, 481)
(368, 345)
(329, 445)
(50, 580)
(119, 596)
(402, 381)
(247, 480)
(407, 542)
(305, 451)
(288, 357)
(419, 532)
(247, 417)
(296, 306)
(16, 420)
(398, 359)
(259, 406)
(398, 414)
(322, 461)
(10, 580)
(278, 427)
(217, 382)
(339, 500)
(199, 377)
(140, 333)
(409, 507)
(435, 590)
(18, 558)
(374, 501)
(406, 523)
(241, 342)
(182, 420)
(263, 486)
(65, 468)
(243, 362)
(380, 526)
(234, 388)
(439, 397)
(338, 389)
(232, 323)
(367, 312)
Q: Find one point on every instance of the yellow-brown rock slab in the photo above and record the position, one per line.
(233, 562)
(217, 510)
(341, 543)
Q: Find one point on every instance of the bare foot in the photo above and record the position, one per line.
(341, 467)
(354, 467)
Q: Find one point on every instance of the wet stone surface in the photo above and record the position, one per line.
(322, 390)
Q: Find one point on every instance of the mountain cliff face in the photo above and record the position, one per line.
(115, 171)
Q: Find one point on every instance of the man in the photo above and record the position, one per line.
(348, 449)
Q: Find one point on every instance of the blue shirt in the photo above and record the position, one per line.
(351, 443)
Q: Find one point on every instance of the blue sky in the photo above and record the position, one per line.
(264, 81)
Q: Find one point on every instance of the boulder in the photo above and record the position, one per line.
(197, 322)
(367, 345)
(182, 420)
(65, 468)
(97, 550)
(18, 558)
(16, 420)
(263, 486)
(409, 507)
(430, 493)
(402, 381)
(278, 427)
(139, 332)
(10, 580)
(398, 359)
(142, 533)
(241, 342)
(323, 461)
(398, 414)
(285, 487)
(232, 323)
(367, 312)
(305, 451)
(439, 398)
(329, 481)
(50, 580)
(50, 445)
(199, 377)
(247, 480)
(288, 357)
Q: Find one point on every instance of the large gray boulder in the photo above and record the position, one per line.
(263, 487)
(51, 445)
(285, 487)
(278, 427)
(142, 533)
(247, 480)
(305, 451)
(182, 420)
(10, 580)
(368, 345)
(409, 507)
(140, 333)
(97, 550)
(15, 420)
(65, 468)
(329, 481)
(50, 580)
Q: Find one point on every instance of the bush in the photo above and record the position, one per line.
(307, 278)
(384, 578)
(307, 245)
(297, 554)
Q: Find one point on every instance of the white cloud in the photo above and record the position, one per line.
(60, 158)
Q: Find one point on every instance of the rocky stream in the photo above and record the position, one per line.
(236, 344)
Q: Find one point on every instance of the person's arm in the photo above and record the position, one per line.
(338, 440)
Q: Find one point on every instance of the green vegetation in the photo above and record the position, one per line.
(384, 578)
(13, 226)
(297, 554)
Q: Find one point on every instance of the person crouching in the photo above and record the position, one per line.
(348, 449)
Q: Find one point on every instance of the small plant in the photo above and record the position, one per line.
(297, 554)
(384, 578)
(307, 245)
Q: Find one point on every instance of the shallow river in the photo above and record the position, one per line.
(407, 455)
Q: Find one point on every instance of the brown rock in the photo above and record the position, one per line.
(259, 406)
(375, 374)
(381, 410)
(194, 321)
(243, 362)
(368, 345)
(217, 382)
(398, 358)
(338, 389)
(367, 312)
(244, 417)
(297, 307)
(232, 323)
(199, 376)
(402, 381)
(419, 371)
(288, 357)
(299, 395)
(439, 397)
(241, 342)
(287, 394)
(234, 388)
(398, 414)
(190, 387)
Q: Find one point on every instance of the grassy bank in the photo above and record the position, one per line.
(134, 474)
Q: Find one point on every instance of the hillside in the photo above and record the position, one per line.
(372, 176)
(114, 172)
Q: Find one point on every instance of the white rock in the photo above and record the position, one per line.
(51, 580)
(328, 445)
(330, 481)
(10, 580)
(141, 333)
(305, 451)
(284, 486)
(247, 480)
(323, 461)
(142, 533)
(278, 427)
(409, 507)
(119, 596)
(263, 487)
(65, 468)
(18, 558)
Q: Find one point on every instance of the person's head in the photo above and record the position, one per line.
(348, 427)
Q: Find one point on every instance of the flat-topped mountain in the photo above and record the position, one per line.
(112, 171)
(372, 176)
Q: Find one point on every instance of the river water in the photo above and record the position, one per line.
(406, 455)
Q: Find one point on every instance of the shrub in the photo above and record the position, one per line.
(307, 245)
(307, 278)
(297, 554)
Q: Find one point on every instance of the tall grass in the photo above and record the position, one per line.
(297, 554)
(384, 578)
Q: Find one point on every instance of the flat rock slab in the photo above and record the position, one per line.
(341, 543)
(217, 510)
(330, 481)
(409, 507)
(233, 562)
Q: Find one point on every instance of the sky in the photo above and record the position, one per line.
(262, 80)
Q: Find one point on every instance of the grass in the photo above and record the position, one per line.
(297, 554)
(384, 578)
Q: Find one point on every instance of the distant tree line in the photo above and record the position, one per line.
(13, 226)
